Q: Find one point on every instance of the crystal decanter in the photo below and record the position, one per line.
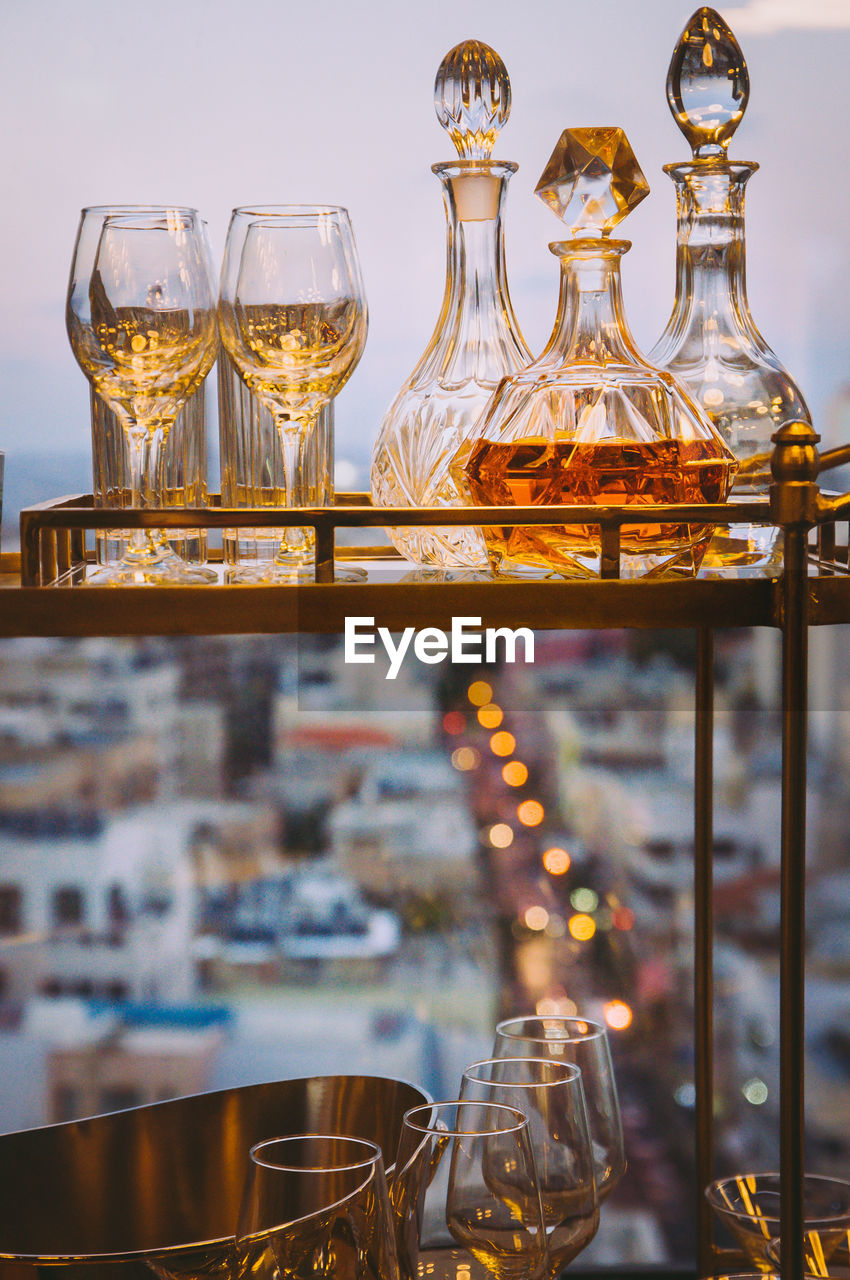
(711, 342)
(476, 340)
(591, 422)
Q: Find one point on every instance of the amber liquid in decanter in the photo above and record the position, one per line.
(536, 471)
(591, 422)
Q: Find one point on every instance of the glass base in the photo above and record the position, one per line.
(163, 569)
(432, 574)
(555, 551)
(273, 573)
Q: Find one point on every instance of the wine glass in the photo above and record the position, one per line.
(293, 319)
(551, 1097)
(315, 1205)
(141, 320)
(465, 1194)
(584, 1044)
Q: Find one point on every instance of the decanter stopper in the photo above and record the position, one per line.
(592, 180)
(708, 85)
(472, 98)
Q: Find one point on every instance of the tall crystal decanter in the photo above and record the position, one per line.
(711, 342)
(476, 340)
(591, 421)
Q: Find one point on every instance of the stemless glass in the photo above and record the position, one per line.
(465, 1194)
(748, 1206)
(141, 321)
(551, 1097)
(293, 319)
(584, 1044)
(315, 1205)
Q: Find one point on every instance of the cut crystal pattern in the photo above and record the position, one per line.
(472, 98)
(708, 84)
(711, 342)
(592, 180)
(476, 340)
(592, 423)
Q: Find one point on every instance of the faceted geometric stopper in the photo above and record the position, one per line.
(472, 98)
(708, 85)
(592, 180)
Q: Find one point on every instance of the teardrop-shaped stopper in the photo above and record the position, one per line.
(708, 84)
(472, 98)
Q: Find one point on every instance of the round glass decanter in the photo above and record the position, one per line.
(592, 422)
(711, 342)
(476, 340)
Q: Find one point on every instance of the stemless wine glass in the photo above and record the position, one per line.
(315, 1205)
(551, 1097)
(293, 319)
(141, 320)
(465, 1194)
(584, 1044)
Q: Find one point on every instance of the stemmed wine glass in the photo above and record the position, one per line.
(315, 1205)
(551, 1097)
(293, 318)
(584, 1044)
(465, 1193)
(141, 320)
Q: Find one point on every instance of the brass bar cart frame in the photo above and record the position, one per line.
(812, 589)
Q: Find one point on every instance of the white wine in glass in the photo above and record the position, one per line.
(141, 321)
(293, 319)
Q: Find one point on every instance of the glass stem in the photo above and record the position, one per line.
(293, 431)
(143, 440)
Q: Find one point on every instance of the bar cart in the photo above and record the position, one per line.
(41, 597)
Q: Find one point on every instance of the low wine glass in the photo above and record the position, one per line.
(315, 1205)
(551, 1097)
(141, 321)
(293, 319)
(465, 1194)
(584, 1044)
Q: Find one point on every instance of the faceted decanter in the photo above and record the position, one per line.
(711, 342)
(476, 340)
(591, 422)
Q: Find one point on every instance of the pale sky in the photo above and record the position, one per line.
(207, 103)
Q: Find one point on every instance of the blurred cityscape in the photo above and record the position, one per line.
(231, 860)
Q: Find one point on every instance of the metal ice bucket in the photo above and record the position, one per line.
(157, 1188)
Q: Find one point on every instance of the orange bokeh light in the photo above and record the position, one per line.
(531, 813)
(500, 835)
(581, 927)
(514, 773)
(503, 743)
(479, 693)
(617, 1014)
(490, 716)
(556, 861)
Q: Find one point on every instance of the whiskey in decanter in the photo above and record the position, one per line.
(711, 342)
(477, 339)
(591, 422)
